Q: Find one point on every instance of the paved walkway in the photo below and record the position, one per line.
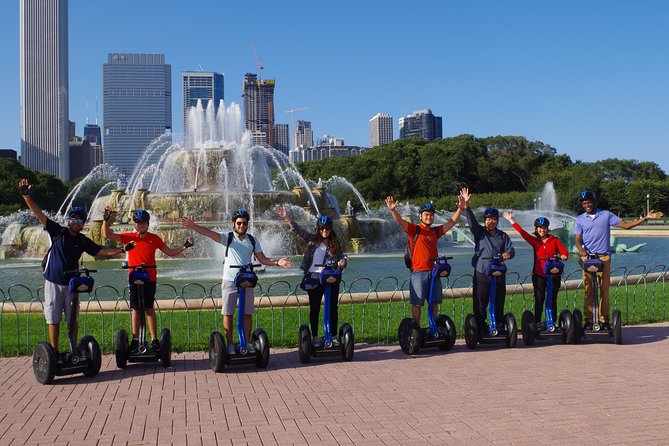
(594, 393)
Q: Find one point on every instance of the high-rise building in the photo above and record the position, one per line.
(421, 123)
(200, 86)
(43, 78)
(282, 143)
(259, 109)
(380, 129)
(93, 133)
(304, 136)
(137, 107)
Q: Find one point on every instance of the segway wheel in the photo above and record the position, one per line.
(121, 352)
(415, 338)
(404, 333)
(217, 352)
(304, 344)
(90, 348)
(347, 342)
(566, 322)
(166, 347)
(511, 330)
(471, 332)
(617, 327)
(261, 342)
(448, 326)
(528, 327)
(578, 325)
(44, 363)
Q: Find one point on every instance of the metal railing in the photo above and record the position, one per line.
(374, 310)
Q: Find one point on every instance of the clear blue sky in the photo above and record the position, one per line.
(590, 78)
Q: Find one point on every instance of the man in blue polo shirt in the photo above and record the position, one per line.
(67, 246)
(592, 231)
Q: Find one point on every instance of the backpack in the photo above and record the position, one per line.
(227, 245)
(408, 249)
(45, 259)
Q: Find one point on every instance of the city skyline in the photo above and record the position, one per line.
(587, 78)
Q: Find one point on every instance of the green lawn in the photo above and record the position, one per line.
(373, 322)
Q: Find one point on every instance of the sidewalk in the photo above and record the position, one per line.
(593, 393)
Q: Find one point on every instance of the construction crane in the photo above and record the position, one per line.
(258, 61)
(292, 115)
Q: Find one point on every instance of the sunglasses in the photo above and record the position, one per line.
(241, 223)
(77, 220)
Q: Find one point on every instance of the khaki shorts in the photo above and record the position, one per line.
(229, 295)
(57, 298)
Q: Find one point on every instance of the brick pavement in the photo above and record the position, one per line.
(594, 393)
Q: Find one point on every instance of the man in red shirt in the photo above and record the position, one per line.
(424, 251)
(144, 253)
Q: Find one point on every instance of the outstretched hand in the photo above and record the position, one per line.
(653, 215)
(281, 212)
(465, 196)
(189, 242)
(507, 215)
(25, 187)
(108, 213)
(391, 203)
(188, 222)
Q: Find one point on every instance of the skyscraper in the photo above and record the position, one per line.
(44, 86)
(202, 86)
(137, 107)
(304, 136)
(93, 133)
(259, 109)
(421, 123)
(282, 138)
(380, 129)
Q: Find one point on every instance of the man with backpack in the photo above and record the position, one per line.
(422, 251)
(240, 248)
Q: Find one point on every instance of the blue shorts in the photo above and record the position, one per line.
(419, 288)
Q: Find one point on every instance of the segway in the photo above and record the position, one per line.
(329, 277)
(593, 265)
(143, 353)
(218, 355)
(564, 328)
(84, 358)
(441, 331)
(492, 335)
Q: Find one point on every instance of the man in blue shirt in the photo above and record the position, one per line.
(592, 232)
(67, 246)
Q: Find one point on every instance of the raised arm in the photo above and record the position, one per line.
(652, 215)
(283, 261)
(106, 229)
(300, 231)
(392, 205)
(179, 249)
(189, 222)
(456, 216)
(26, 190)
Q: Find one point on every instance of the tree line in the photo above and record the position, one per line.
(502, 171)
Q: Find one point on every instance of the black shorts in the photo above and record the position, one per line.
(149, 295)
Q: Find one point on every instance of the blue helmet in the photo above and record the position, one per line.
(77, 211)
(541, 222)
(241, 213)
(587, 195)
(141, 215)
(491, 213)
(427, 207)
(324, 222)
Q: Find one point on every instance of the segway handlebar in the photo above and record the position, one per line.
(141, 267)
(248, 266)
(80, 271)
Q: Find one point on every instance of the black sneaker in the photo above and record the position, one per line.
(134, 345)
(587, 326)
(155, 344)
(605, 326)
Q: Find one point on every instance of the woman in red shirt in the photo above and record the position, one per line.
(545, 246)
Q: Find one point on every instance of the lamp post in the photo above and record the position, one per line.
(647, 204)
(535, 204)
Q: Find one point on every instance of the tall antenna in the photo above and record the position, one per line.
(96, 110)
(86, 112)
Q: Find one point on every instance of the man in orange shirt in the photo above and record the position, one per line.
(144, 253)
(424, 251)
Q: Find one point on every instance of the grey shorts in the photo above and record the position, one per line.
(57, 298)
(419, 288)
(229, 296)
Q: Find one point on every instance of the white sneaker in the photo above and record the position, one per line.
(231, 349)
(250, 349)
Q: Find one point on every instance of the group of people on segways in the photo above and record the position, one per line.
(322, 264)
